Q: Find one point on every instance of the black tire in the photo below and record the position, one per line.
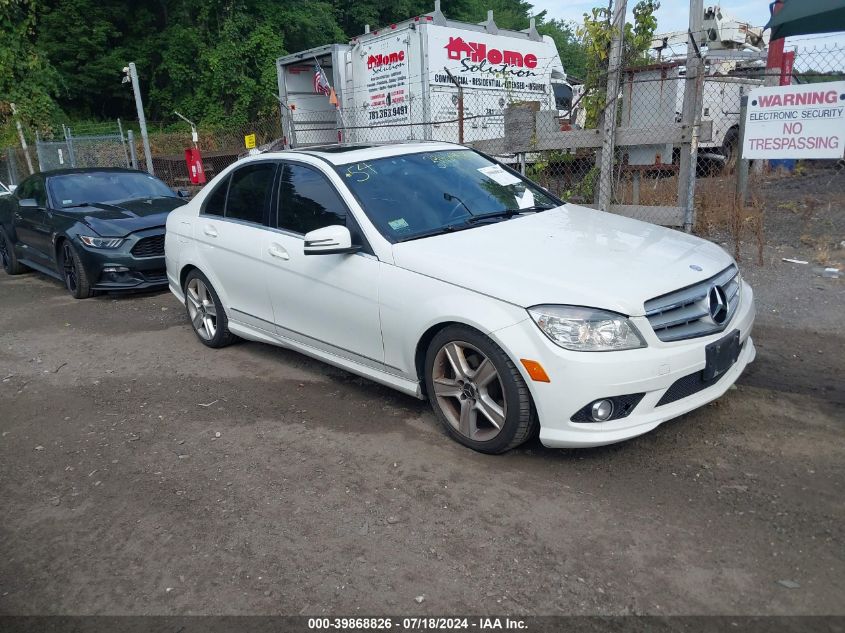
(73, 272)
(221, 336)
(520, 420)
(8, 257)
(730, 150)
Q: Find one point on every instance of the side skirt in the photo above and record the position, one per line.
(410, 387)
(41, 268)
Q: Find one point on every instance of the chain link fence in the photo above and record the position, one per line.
(555, 136)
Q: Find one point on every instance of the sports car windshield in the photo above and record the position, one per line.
(418, 195)
(71, 190)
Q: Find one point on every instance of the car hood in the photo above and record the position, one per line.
(569, 255)
(117, 219)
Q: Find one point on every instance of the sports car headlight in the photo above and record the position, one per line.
(586, 329)
(101, 242)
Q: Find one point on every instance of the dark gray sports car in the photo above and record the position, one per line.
(93, 229)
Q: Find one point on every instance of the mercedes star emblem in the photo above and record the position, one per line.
(718, 304)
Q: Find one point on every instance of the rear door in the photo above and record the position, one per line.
(325, 301)
(230, 232)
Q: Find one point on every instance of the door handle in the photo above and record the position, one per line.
(210, 231)
(278, 252)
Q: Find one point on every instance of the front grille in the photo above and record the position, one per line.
(687, 386)
(156, 275)
(149, 247)
(685, 314)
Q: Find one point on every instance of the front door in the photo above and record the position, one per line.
(33, 224)
(325, 301)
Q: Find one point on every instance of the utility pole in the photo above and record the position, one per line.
(23, 139)
(691, 114)
(131, 74)
(608, 119)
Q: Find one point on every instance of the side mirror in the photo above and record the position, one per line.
(329, 240)
(29, 203)
(183, 193)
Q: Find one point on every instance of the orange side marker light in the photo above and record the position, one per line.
(535, 370)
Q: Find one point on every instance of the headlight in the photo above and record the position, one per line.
(586, 329)
(101, 242)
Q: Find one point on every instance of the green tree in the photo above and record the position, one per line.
(596, 34)
(26, 77)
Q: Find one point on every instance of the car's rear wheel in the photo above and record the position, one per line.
(76, 279)
(8, 257)
(477, 392)
(208, 318)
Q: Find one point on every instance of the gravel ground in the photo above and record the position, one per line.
(141, 473)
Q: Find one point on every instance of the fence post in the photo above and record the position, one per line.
(691, 115)
(460, 105)
(742, 164)
(23, 139)
(13, 166)
(123, 142)
(614, 71)
(133, 156)
(69, 140)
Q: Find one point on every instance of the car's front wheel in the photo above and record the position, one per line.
(76, 279)
(477, 392)
(205, 311)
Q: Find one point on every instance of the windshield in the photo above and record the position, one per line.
(106, 186)
(416, 195)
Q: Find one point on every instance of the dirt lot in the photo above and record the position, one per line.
(325, 493)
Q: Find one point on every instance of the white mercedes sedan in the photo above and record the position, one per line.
(432, 269)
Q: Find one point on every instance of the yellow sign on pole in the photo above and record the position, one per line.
(249, 141)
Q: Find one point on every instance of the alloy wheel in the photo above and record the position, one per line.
(69, 266)
(469, 391)
(5, 260)
(201, 309)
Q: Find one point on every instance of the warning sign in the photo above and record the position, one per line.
(805, 121)
(249, 141)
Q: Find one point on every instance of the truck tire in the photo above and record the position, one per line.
(730, 150)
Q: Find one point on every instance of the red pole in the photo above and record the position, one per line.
(786, 68)
(774, 61)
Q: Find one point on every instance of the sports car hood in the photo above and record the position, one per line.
(127, 216)
(568, 255)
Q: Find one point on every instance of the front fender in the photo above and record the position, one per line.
(411, 304)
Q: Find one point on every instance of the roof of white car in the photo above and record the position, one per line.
(345, 154)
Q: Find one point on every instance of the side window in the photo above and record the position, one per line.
(39, 192)
(215, 203)
(24, 190)
(308, 201)
(250, 191)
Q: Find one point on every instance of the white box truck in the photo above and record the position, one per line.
(398, 83)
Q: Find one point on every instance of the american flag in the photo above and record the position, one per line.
(321, 84)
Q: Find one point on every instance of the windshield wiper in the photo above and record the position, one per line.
(449, 228)
(508, 213)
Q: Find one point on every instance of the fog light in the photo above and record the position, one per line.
(601, 410)
(115, 269)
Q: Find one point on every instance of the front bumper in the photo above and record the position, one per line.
(578, 378)
(141, 272)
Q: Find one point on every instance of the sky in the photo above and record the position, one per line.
(673, 15)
